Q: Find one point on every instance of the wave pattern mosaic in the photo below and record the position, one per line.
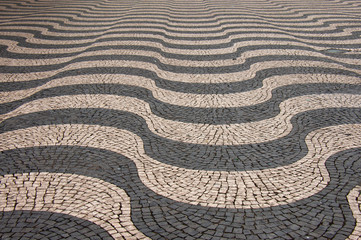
(176, 119)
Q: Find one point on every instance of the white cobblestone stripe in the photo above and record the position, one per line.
(221, 28)
(84, 197)
(229, 100)
(354, 199)
(108, 37)
(163, 23)
(224, 189)
(201, 77)
(176, 62)
(230, 134)
(13, 47)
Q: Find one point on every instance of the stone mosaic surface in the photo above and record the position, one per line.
(160, 119)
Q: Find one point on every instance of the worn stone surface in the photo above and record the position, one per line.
(161, 119)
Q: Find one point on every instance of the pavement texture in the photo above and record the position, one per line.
(203, 119)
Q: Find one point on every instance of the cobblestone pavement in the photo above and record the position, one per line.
(160, 119)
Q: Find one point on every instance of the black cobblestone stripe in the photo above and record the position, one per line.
(75, 22)
(257, 112)
(22, 41)
(323, 215)
(47, 225)
(213, 12)
(175, 68)
(168, 28)
(192, 57)
(213, 20)
(271, 154)
(198, 88)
